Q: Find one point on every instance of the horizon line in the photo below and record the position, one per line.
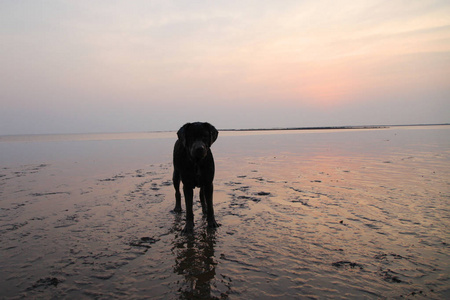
(251, 129)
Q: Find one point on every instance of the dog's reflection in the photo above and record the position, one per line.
(194, 259)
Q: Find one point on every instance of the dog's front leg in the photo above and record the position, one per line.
(209, 188)
(188, 197)
(203, 201)
(176, 185)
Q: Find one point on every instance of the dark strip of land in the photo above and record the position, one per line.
(331, 127)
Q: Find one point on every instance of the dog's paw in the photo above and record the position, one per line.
(213, 224)
(177, 210)
(188, 229)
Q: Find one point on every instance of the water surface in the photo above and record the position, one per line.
(304, 214)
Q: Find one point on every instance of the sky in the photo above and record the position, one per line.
(131, 66)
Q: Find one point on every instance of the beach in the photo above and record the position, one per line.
(337, 213)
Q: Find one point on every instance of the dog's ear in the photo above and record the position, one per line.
(213, 133)
(182, 133)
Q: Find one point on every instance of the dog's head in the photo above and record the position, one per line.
(197, 138)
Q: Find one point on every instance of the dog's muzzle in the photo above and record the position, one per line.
(198, 150)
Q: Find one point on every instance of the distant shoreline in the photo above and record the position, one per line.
(9, 137)
(307, 128)
(333, 127)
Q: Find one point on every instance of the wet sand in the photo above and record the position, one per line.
(317, 214)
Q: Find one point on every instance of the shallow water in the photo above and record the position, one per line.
(316, 214)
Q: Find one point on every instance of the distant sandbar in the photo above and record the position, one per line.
(333, 127)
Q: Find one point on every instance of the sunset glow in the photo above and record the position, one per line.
(151, 66)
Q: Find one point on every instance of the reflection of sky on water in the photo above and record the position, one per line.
(116, 152)
(298, 210)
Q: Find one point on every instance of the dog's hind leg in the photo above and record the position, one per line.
(176, 185)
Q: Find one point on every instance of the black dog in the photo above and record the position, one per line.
(194, 164)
